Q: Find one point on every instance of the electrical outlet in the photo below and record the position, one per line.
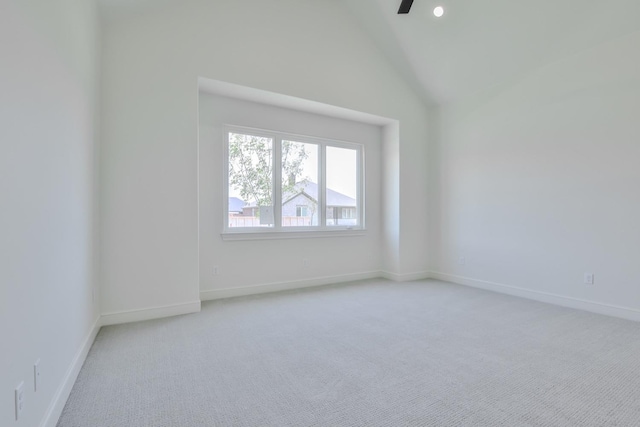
(215, 270)
(19, 395)
(462, 260)
(36, 375)
(588, 278)
(305, 262)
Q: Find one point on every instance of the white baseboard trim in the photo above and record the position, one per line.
(406, 277)
(150, 313)
(565, 301)
(54, 411)
(214, 294)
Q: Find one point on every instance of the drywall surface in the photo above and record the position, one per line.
(151, 63)
(256, 262)
(48, 89)
(536, 183)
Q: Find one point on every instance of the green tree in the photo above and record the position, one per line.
(251, 167)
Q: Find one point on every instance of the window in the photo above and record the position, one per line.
(291, 183)
(250, 164)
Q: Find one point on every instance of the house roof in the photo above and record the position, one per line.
(235, 204)
(310, 189)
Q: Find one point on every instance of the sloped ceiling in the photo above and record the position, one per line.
(477, 44)
(482, 43)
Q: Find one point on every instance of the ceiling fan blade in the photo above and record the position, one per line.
(405, 6)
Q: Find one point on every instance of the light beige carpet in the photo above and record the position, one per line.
(372, 353)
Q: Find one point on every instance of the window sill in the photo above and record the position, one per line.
(269, 235)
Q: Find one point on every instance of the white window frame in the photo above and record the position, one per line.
(277, 230)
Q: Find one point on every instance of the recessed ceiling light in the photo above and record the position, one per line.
(438, 11)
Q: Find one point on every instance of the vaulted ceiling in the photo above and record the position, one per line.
(481, 43)
(477, 44)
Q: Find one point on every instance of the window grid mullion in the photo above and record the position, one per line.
(360, 196)
(277, 185)
(322, 171)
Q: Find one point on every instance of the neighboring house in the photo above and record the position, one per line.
(251, 210)
(236, 206)
(300, 208)
(303, 202)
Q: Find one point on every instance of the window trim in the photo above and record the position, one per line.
(277, 230)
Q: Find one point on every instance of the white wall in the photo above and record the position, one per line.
(47, 87)
(258, 262)
(312, 50)
(537, 180)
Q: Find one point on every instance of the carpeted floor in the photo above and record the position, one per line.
(372, 353)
